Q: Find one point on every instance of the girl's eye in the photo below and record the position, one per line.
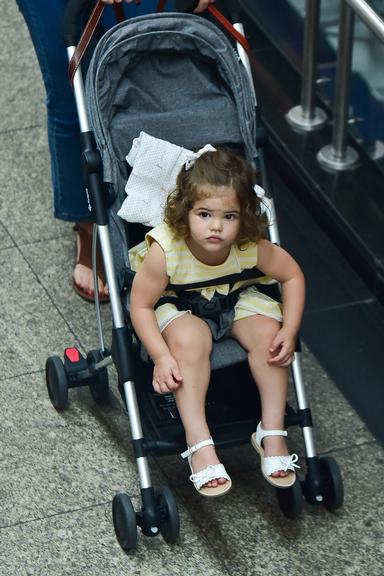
(231, 216)
(204, 214)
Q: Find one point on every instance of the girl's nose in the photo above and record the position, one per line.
(216, 224)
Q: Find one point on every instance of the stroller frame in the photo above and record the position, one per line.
(322, 483)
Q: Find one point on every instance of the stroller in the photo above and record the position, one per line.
(134, 68)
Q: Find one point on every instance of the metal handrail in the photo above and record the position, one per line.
(368, 16)
(338, 155)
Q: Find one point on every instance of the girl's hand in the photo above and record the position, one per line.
(283, 347)
(166, 375)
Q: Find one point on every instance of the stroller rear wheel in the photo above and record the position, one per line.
(168, 513)
(57, 382)
(291, 500)
(332, 482)
(98, 385)
(124, 521)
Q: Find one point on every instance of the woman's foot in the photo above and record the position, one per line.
(83, 274)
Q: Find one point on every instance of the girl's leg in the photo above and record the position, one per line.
(190, 342)
(255, 334)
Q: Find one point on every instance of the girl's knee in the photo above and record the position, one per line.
(258, 333)
(191, 343)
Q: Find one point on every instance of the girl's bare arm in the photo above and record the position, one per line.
(149, 284)
(278, 264)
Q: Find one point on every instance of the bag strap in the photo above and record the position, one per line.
(88, 33)
(240, 38)
(85, 39)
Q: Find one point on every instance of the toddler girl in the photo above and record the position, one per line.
(214, 227)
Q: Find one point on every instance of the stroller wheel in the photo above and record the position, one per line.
(168, 513)
(98, 385)
(124, 521)
(57, 382)
(332, 482)
(291, 500)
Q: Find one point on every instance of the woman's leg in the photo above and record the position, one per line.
(190, 342)
(44, 19)
(255, 334)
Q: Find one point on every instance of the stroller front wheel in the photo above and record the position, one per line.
(291, 500)
(57, 382)
(124, 521)
(332, 482)
(168, 513)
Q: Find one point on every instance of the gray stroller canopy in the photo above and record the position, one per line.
(174, 76)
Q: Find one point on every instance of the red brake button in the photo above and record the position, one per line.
(72, 354)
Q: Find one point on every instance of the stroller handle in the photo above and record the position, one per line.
(72, 14)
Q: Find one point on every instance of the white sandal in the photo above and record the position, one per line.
(213, 472)
(271, 464)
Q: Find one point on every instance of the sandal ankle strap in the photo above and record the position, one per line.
(261, 433)
(196, 447)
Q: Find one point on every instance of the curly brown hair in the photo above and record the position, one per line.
(220, 168)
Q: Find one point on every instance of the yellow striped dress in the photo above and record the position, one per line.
(184, 268)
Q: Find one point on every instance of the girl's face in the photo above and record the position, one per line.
(214, 224)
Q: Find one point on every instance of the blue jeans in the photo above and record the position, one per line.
(44, 20)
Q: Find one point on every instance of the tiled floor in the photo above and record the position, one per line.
(59, 471)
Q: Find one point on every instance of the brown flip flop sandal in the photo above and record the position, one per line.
(85, 259)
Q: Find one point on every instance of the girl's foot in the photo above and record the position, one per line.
(83, 274)
(277, 466)
(276, 446)
(208, 476)
(202, 459)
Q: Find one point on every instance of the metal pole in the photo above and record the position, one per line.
(369, 16)
(339, 156)
(306, 116)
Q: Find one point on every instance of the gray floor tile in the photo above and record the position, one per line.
(6, 240)
(60, 461)
(26, 199)
(83, 543)
(247, 528)
(29, 320)
(336, 424)
(20, 105)
(52, 262)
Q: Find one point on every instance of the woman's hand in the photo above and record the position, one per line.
(203, 5)
(282, 348)
(120, 1)
(166, 374)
